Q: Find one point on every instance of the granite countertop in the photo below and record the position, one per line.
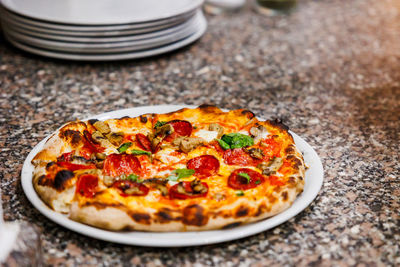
(330, 70)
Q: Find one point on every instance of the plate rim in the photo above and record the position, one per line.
(114, 56)
(174, 239)
(10, 6)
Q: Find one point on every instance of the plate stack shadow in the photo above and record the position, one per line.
(101, 30)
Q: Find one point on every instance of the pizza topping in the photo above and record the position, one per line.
(258, 132)
(239, 193)
(244, 179)
(108, 180)
(124, 147)
(204, 166)
(100, 156)
(130, 188)
(180, 173)
(235, 140)
(256, 153)
(73, 167)
(208, 136)
(87, 185)
(118, 164)
(182, 128)
(102, 127)
(140, 152)
(237, 156)
(143, 141)
(270, 167)
(159, 124)
(184, 190)
(216, 128)
(66, 156)
(115, 138)
(187, 144)
(159, 184)
(97, 136)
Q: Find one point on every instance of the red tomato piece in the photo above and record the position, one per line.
(204, 166)
(130, 188)
(87, 185)
(271, 147)
(73, 167)
(174, 193)
(143, 141)
(238, 156)
(239, 182)
(118, 164)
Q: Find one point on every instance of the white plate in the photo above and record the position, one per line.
(100, 12)
(313, 183)
(190, 27)
(112, 57)
(97, 37)
(93, 30)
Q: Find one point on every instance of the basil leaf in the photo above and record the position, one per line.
(223, 144)
(134, 178)
(245, 175)
(239, 193)
(140, 152)
(159, 124)
(180, 173)
(124, 147)
(237, 140)
(183, 173)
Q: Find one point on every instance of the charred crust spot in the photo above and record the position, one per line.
(289, 149)
(143, 119)
(194, 215)
(231, 225)
(62, 178)
(164, 216)
(74, 136)
(48, 165)
(93, 121)
(206, 106)
(285, 195)
(301, 177)
(278, 123)
(248, 113)
(142, 218)
(124, 117)
(292, 180)
(242, 211)
(43, 181)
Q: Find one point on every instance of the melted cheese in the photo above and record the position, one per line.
(206, 135)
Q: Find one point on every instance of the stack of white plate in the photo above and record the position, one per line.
(101, 29)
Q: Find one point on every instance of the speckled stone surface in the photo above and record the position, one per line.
(330, 70)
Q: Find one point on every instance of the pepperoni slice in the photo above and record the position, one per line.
(143, 141)
(73, 167)
(129, 188)
(275, 180)
(238, 156)
(181, 128)
(87, 185)
(118, 164)
(204, 166)
(236, 181)
(175, 192)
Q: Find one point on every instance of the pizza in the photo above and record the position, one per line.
(187, 170)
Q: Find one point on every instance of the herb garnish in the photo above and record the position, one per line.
(180, 173)
(159, 124)
(140, 152)
(245, 175)
(240, 193)
(235, 140)
(124, 147)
